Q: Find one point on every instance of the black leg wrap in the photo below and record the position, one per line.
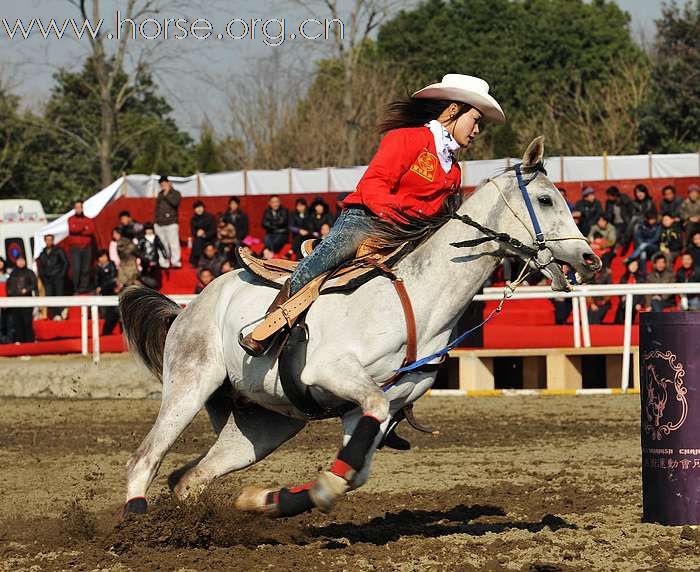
(292, 504)
(356, 450)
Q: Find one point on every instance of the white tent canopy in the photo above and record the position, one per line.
(334, 179)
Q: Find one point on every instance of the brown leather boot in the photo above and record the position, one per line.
(255, 347)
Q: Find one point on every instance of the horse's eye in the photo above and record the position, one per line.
(545, 200)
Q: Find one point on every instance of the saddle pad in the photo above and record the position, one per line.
(346, 277)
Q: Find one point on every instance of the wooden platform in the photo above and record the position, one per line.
(542, 368)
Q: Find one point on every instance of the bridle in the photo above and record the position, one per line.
(539, 247)
(531, 255)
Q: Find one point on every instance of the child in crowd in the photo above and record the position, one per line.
(204, 278)
(633, 275)
(113, 252)
(149, 248)
(670, 239)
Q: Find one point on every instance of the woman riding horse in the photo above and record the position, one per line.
(410, 176)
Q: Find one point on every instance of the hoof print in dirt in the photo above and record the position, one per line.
(136, 506)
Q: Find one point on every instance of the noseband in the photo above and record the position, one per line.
(539, 242)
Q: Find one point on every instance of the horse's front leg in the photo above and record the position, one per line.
(346, 379)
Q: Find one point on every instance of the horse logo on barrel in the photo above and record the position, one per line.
(663, 374)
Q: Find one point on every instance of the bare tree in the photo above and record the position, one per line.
(351, 25)
(276, 124)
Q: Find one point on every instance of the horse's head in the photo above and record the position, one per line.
(545, 225)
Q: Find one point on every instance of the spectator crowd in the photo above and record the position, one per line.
(139, 253)
(657, 243)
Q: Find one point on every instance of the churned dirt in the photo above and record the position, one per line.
(521, 483)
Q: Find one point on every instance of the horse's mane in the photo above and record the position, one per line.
(415, 229)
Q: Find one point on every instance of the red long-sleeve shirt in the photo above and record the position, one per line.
(81, 230)
(405, 176)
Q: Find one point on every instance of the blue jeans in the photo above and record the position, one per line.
(643, 250)
(353, 226)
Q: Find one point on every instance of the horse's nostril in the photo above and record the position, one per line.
(591, 260)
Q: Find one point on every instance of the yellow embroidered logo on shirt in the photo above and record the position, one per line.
(425, 165)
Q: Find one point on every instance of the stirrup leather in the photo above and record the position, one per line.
(287, 313)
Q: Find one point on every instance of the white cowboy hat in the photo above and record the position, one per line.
(465, 89)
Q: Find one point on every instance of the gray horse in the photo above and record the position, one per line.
(356, 342)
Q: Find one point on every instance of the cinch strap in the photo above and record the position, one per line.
(539, 235)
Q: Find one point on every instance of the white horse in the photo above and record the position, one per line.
(356, 341)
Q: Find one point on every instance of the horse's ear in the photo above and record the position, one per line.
(534, 154)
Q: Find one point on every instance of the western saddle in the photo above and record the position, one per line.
(286, 314)
(370, 261)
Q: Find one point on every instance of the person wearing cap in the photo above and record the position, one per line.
(690, 211)
(166, 223)
(410, 177)
(590, 208)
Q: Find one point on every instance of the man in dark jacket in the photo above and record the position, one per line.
(235, 216)
(670, 204)
(22, 282)
(276, 224)
(619, 210)
(166, 223)
(590, 209)
(660, 275)
(107, 285)
(53, 265)
(202, 231)
(300, 226)
(81, 230)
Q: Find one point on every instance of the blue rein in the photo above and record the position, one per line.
(541, 245)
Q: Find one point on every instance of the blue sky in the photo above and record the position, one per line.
(196, 76)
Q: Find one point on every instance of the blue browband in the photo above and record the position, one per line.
(539, 235)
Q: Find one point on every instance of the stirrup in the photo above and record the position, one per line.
(251, 346)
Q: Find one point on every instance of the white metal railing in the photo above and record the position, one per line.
(578, 296)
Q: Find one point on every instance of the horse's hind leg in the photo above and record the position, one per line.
(250, 434)
(188, 381)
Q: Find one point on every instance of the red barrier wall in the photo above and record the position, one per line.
(143, 209)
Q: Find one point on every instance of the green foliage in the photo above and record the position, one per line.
(671, 121)
(208, 152)
(525, 50)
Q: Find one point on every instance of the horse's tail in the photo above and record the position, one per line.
(147, 316)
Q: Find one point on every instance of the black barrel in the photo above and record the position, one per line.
(669, 360)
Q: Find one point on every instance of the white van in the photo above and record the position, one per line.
(20, 219)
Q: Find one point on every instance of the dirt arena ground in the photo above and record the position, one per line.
(519, 483)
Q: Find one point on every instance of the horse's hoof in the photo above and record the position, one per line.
(255, 499)
(137, 505)
(327, 489)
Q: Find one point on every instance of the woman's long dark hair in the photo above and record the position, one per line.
(414, 112)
